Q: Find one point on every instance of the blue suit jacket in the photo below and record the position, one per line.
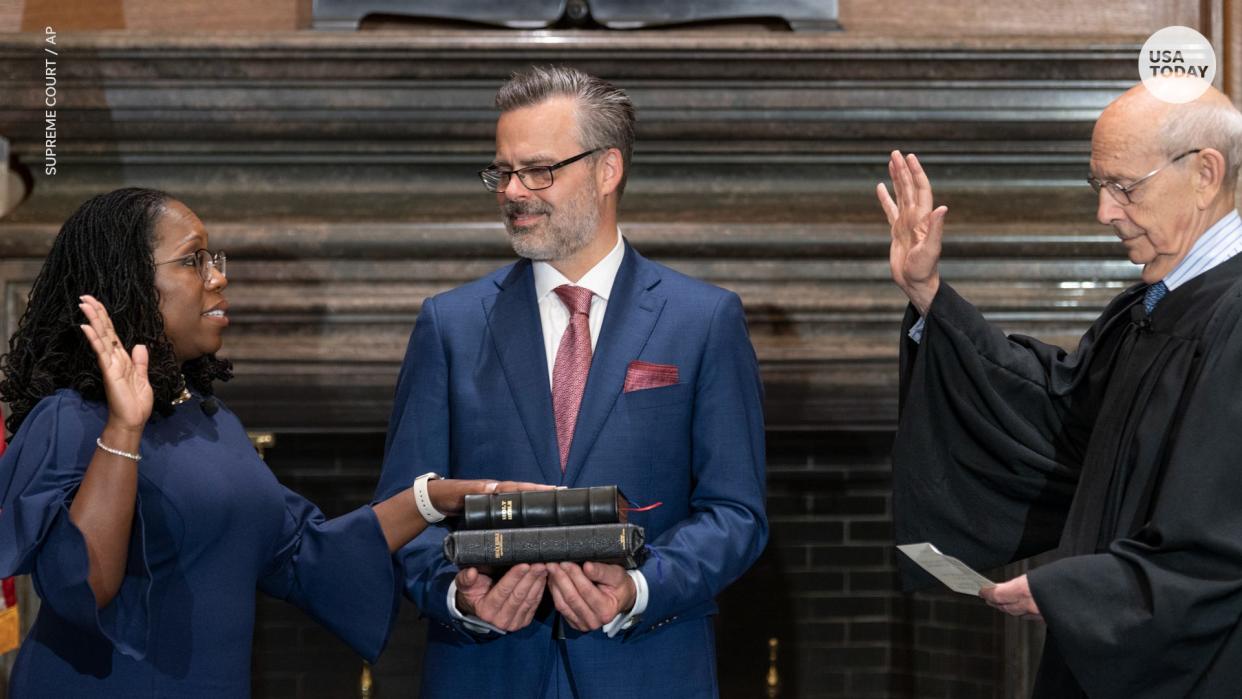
(473, 401)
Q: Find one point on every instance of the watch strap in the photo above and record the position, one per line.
(423, 499)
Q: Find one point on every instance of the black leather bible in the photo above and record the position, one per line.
(617, 543)
(545, 508)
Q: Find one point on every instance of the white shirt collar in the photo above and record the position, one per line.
(1221, 241)
(599, 279)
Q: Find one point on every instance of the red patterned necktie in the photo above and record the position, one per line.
(573, 361)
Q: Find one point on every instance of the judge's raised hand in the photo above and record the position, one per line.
(1013, 598)
(510, 603)
(124, 373)
(917, 229)
(591, 595)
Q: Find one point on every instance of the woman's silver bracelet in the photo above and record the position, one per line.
(99, 443)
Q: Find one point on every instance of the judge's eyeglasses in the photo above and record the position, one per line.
(1121, 193)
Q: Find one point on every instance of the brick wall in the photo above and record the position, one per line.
(825, 588)
(845, 628)
(293, 656)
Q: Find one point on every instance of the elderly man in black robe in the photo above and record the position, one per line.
(1124, 455)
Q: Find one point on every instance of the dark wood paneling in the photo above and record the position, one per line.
(898, 18)
(338, 172)
(321, 314)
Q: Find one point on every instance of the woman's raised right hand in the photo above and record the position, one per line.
(129, 393)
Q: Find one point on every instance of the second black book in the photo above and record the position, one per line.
(610, 543)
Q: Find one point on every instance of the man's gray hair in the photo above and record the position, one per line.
(1198, 125)
(605, 115)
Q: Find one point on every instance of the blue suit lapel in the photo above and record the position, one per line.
(513, 317)
(633, 308)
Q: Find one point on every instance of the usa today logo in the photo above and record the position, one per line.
(1177, 64)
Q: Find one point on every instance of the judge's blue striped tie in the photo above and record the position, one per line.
(1155, 292)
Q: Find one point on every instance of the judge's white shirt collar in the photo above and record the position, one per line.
(1221, 241)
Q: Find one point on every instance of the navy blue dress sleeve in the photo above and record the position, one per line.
(337, 570)
(39, 476)
(418, 441)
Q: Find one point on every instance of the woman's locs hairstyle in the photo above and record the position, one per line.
(103, 249)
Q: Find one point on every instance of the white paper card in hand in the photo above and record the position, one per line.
(955, 575)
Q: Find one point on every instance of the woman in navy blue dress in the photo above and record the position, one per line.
(147, 534)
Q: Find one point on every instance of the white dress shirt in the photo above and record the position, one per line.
(554, 319)
(554, 316)
(1221, 241)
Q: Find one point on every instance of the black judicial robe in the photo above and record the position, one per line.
(1124, 455)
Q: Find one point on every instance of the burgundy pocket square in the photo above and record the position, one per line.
(642, 375)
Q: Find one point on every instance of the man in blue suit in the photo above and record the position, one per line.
(581, 364)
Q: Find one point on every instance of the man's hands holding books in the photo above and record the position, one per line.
(575, 524)
(592, 594)
(510, 603)
(589, 596)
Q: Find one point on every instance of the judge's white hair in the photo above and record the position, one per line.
(1199, 125)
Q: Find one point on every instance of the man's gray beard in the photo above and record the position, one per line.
(564, 232)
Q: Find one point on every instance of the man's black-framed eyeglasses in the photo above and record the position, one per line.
(1121, 193)
(203, 261)
(533, 178)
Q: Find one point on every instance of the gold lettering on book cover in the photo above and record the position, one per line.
(498, 546)
(506, 509)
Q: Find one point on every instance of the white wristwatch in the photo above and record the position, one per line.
(423, 499)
